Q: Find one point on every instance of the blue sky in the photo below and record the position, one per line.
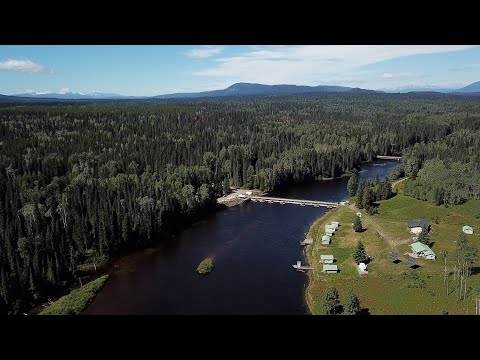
(154, 70)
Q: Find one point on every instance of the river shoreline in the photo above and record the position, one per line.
(252, 244)
(309, 258)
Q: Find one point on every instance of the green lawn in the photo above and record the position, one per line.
(75, 302)
(385, 290)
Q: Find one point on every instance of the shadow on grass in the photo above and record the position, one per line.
(398, 261)
(415, 267)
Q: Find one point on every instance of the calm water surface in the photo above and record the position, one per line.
(254, 246)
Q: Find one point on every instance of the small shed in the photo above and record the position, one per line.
(248, 193)
(335, 226)
(336, 223)
(241, 195)
(327, 259)
(467, 230)
(422, 250)
(329, 232)
(328, 268)
(326, 239)
(359, 214)
(330, 226)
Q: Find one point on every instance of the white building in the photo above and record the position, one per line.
(467, 230)
(417, 225)
(326, 259)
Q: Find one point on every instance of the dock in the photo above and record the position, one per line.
(307, 241)
(282, 201)
(299, 267)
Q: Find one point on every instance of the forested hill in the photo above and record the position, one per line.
(82, 182)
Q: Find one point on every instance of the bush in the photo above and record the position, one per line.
(205, 266)
(75, 302)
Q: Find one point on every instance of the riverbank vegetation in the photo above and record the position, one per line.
(83, 181)
(75, 302)
(433, 287)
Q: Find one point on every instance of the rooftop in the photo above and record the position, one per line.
(330, 267)
(418, 247)
(326, 257)
(422, 222)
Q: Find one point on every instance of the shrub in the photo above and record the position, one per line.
(205, 266)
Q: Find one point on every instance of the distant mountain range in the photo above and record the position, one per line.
(72, 96)
(469, 89)
(244, 89)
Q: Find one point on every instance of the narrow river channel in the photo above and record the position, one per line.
(254, 246)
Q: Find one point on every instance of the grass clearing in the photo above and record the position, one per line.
(390, 288)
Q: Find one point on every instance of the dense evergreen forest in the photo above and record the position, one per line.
(446, 171)
(82, 182)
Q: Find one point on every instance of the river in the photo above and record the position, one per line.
(254, 246)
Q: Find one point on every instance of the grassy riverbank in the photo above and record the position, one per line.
(391, 288)
(75, 302)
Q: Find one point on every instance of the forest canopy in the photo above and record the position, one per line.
(81, 182)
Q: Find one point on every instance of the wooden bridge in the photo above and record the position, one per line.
(385, 157)
(283, 201)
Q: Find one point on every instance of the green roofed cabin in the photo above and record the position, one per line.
(326, 239)
(422, 250)
(330, 227)
(327, 259)
(330, 268)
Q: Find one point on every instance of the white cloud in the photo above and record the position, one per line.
(23, 66)
(205, 51)
(301, 64)
(64, 90)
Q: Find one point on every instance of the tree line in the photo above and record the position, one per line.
(445, 171)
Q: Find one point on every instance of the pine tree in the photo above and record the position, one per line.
(424, 237)
(352, 306)
(352, 184)
(360, 254)
(360, 191)
(357, 225)
(367, 197)
(331, 301)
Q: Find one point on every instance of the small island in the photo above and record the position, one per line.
(205, 266)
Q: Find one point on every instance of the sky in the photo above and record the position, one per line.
(161, 69)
